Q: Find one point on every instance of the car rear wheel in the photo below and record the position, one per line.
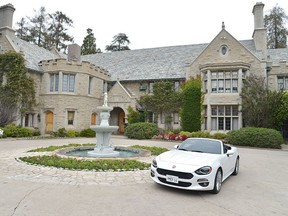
(236, 169)
(217, 182)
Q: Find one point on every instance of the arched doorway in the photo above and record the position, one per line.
(117, 117)
(49, 122)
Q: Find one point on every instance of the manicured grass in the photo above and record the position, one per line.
(95, 165)
(154, 150)
(53, 148)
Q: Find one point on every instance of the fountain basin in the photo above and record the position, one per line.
(122, 152)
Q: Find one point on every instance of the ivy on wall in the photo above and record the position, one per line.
(191, 105)
(17, 90)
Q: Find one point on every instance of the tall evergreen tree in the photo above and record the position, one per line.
(276, 31)
(23, 30)
(120, 42)
(46, 30)
(38, 27)
(191, 105)
(89, 44)
(57, 31)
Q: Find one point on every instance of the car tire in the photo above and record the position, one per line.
(217, 182)
(236, 169)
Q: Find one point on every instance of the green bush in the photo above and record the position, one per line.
(220, 136)
(12, 130)
(60, 133)
(72, 133)
(202, 134)
(95, 165)
(87, 133)
(186, 133)
(141, 130)
(255, 137)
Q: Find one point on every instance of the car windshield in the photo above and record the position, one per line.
(201, 145)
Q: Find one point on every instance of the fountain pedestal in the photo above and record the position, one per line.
(103, 146)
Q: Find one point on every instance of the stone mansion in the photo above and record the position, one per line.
(70, 87)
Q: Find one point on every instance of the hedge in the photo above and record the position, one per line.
(255, 137)
(141, 130)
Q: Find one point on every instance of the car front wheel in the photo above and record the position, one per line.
(217, 182)
(236, 169)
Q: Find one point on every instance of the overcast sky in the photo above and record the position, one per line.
(151, 23)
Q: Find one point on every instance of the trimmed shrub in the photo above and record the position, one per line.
(141, 130)
(202, 134)
(88, 133)
(220, 136)
(60, 133)
(255, 137)
(186, 133)
(12, 130)
(72, 133)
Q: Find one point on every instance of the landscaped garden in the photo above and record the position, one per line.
(95, 164)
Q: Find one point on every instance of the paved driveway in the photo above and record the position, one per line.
(261, 187)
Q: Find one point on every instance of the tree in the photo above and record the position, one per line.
(17, 91)
(120, 42)
(89, 44)
(191, 105)
(165, 100)
(23, 30)
(134, 116)
(57, 31)
(276, 31)
(46, 30)
(261, 107)
(38, 28)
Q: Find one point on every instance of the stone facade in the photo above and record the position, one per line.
(70, 87)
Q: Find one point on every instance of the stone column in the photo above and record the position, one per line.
(60, 82)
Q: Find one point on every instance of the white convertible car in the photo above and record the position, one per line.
(196, 164)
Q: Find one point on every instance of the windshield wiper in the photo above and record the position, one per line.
(196, 151)
(182, 149)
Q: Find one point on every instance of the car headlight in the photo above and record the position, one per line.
(154, 163)
(204, 170)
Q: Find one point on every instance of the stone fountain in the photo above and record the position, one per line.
(103, 146)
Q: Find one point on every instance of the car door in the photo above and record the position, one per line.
(227, 162)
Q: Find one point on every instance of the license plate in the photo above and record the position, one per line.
(173, 179)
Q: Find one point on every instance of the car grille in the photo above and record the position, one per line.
(181, 184)
(182, 175)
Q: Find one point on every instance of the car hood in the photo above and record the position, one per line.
(187, 158)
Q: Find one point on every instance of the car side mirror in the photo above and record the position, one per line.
(176, 146)
(229, 153)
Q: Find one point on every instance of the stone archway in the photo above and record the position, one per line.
(117, 118)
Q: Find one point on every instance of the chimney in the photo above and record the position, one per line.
(6, 19)
(74, 52)
(259, 34)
